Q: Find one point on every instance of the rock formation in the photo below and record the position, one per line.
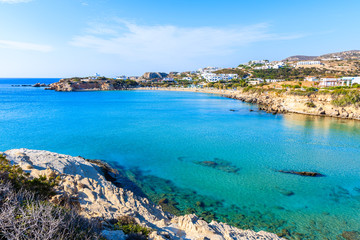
(273, 102)
(84, 182)
(154, 75)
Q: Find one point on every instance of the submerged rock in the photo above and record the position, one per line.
(306, 174)
(351, 235)
(221, 165)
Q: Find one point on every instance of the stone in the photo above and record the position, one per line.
(351, 235)
(104, 200)
(307, 174)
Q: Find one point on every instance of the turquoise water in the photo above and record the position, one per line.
(169, 135)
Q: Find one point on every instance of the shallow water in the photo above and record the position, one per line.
(181, 142)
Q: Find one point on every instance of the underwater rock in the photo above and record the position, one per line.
(286, 192)
(351, 235)
(221, 165)
(303, 173)
(232, 110)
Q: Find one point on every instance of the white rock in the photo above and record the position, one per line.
(100, 198)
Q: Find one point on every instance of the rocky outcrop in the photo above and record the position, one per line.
(311, 104)
(154, 75)
(84, 183)
(70, 85)
(305, 174)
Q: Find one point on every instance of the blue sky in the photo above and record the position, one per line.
(64, 38)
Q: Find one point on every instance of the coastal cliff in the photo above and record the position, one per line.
(96, 189)
(319, 104)
(330, 104)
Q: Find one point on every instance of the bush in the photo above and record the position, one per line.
(346, 98)
(42, 186)
(129, 226)
(310, 104)
(24, 216)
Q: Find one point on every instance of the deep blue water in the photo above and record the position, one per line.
(168, 135)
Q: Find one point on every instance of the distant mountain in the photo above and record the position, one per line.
(300, 58)
(346, 55)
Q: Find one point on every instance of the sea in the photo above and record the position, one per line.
(206, 154)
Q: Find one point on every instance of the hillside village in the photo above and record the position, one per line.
(329, 70)
(337, 70)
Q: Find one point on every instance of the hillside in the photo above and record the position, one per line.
(346, 55)
(300, 58)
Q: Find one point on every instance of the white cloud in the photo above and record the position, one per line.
(162, 43)
(14, 1)
(25, 46)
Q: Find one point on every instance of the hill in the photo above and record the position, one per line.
(345, 55)
(300, 58)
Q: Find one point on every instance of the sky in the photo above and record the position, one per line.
(67, 38)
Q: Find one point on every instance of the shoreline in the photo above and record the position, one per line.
(263, 105)
(88, 183)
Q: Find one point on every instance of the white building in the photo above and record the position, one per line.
(258, 62)
(334, 82)
(302, 63)
(274, 80)
(187, 78)
(212, 77)
(255, 81)
(208, 70)
(311, 79)
(352, 79)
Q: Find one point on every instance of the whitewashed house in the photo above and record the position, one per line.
(311, 79)
(274, 80)
(334, 82)
(255, 81)
(303, 63)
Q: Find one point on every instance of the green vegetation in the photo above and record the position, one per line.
(129, 226)
(42, 186)
(310, 105)
(345, 98)
(26, 213)
(290, 73)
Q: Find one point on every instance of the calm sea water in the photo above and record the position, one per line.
(198, 144)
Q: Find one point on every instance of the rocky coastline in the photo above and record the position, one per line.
(96, 189)
(71, 85)
(270, 100)
(277, 102)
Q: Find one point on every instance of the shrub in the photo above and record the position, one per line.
(310, 104)
(42, 186)
(24, 216)
(129, 226)
(346, 99)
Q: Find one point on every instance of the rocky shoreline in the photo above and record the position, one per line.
(269, 100)
(96, 189)
(283, 102)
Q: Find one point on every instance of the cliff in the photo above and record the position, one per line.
(301, 102)
(319, 104)
(85, 182)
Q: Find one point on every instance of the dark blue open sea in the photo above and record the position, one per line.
(189, 148)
